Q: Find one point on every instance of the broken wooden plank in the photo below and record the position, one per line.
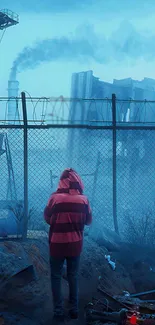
(16, 268)
(114, 303)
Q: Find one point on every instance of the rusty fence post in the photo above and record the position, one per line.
(25, 221)
(114, 164)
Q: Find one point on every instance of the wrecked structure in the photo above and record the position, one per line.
(86, 85)
(92, 147)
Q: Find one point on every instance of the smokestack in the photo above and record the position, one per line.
(13, 111)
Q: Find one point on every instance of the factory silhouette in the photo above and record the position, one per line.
(86, 85)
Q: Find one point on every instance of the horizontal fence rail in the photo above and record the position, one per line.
(111, 144)
(42, 111)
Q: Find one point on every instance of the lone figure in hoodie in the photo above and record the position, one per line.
(67, 212)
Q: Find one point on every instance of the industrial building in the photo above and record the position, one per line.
(86, 85)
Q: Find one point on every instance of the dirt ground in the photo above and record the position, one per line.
(32, 304)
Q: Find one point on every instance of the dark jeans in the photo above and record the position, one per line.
(72, 276)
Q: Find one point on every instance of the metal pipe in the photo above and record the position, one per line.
(76, 126)
(135, 295)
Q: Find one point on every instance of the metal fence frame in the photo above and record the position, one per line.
(115, 126)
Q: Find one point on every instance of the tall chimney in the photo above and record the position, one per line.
(13, 111)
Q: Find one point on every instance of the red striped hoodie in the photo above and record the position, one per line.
(67, 212)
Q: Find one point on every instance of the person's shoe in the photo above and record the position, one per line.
(73, 314)
(58, 319)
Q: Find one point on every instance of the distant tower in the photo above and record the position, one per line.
(83, 110)
(13, 109)
(81, 88)
(8, 19)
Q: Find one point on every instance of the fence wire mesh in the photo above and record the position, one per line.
(11, 111)
(79, 134)
(136, 184)
(51, 151)
(12, 182)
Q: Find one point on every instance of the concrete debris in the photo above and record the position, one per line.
(111, 263)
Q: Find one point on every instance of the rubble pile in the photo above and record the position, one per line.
(121, 266)
(109, 275)
(94, 264)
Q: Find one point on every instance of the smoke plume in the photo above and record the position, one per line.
(86, 45)
(52, 50)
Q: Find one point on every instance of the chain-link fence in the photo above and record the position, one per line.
(136, 183)
(104, 140)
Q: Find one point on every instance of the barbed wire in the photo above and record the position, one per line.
(43, 110)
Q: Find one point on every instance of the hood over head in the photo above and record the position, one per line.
(70, 182)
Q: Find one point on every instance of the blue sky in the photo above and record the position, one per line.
(114, 38)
